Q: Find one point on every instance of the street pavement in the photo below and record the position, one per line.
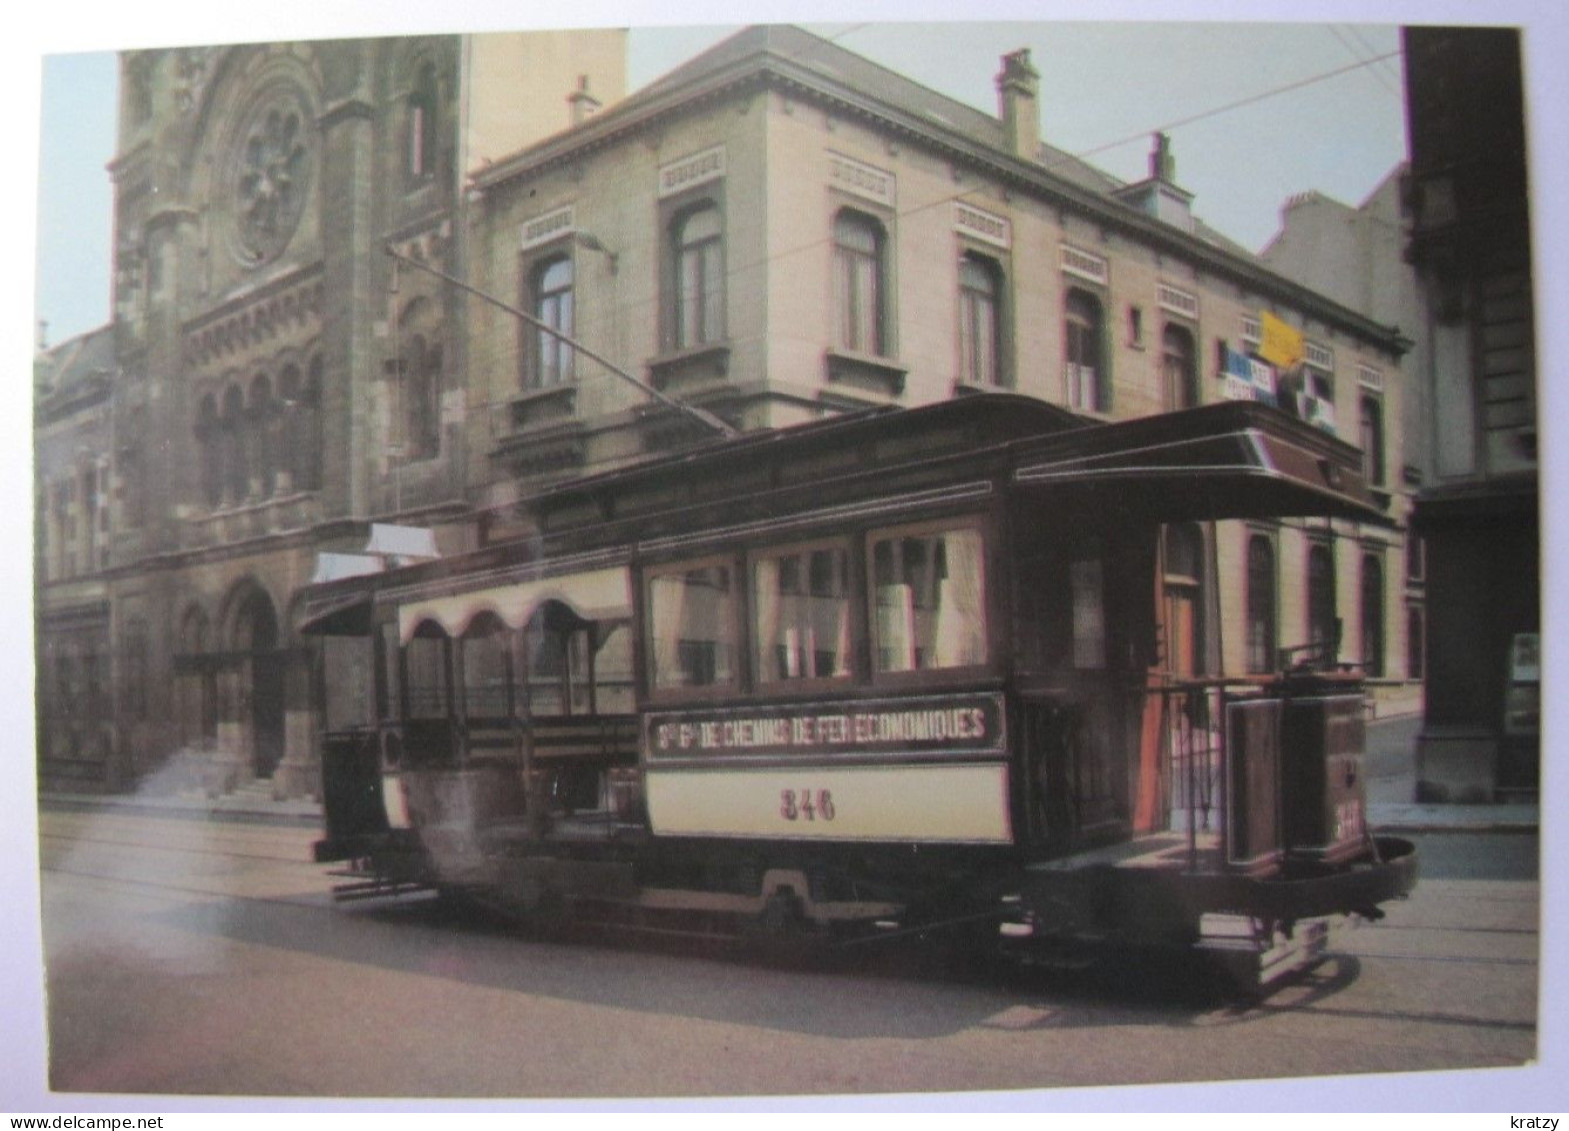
(1390, 767)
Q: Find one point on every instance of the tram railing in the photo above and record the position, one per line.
(1194, 757)
(1258, 770)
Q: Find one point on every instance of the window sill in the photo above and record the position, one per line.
(543, 407)
(693, 365)
(866, 372)
(962, 388)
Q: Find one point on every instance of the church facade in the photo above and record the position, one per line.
(257, 404)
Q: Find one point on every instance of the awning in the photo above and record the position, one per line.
(1219, 462)
(604, 594)
(347, 614)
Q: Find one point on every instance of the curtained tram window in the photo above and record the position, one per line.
(929, 599)
(801, 608)
(692, 626)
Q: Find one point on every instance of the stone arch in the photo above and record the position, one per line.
(255, 673)
(195, 670)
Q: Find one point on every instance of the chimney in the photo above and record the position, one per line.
(1018, 99)
(1163, 163)
(583, 103)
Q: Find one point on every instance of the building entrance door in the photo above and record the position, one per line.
(263, 670)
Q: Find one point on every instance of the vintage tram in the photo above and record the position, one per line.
(893, 671)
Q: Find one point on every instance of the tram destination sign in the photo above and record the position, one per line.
(927, 724)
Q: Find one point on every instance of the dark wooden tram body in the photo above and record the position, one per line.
(891, 671)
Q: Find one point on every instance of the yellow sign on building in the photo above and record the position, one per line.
(1282, 344)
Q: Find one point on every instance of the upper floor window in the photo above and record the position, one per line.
(859, 283)
(551, 360)
(1083, 364)
(1179, 368)
(209, 435)
(422, 124)
(420, 365)
(980, 320)
(698, 242)
(1372, 433)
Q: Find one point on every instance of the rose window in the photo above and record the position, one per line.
(271, 180)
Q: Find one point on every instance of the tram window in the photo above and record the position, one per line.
(692, 626)
(347, 702)
(425, 665)
(557, 648)
(929, 600)
(613, 670)
(485, 677)
(802, 608)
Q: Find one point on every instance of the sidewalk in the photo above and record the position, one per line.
(244, 806)
(1390, 768)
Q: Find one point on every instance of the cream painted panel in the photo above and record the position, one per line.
(955, 804)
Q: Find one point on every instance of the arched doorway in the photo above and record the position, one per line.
(261, 673)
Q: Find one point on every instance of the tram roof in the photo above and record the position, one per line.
(1221, 461)
(1234, 459)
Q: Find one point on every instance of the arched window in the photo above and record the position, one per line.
(308, 432)
(1372, 615)
(236, 468)
(980, 320)
(422, 414)
(1373, 441)
(698, 241)
(859, 274)
(1179, 368)
(1261, 605)
(1323, 631)
(1083, 365)
(419, 361)
(422, 124)
(551, 287)
(209, 437)
(260, 437)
